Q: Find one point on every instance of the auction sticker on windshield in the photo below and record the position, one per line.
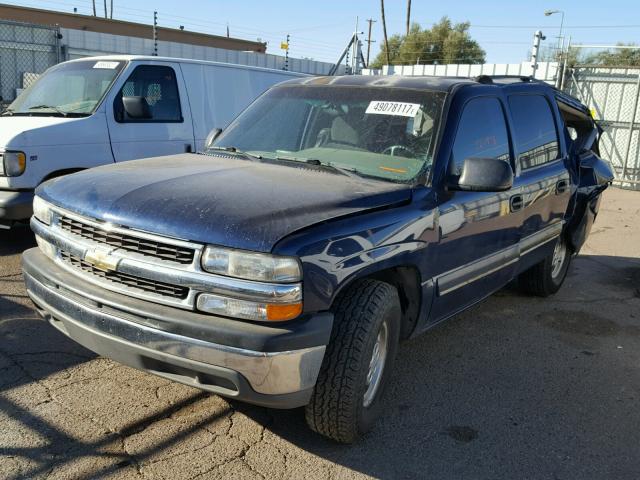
(107, 65)
(380, 107)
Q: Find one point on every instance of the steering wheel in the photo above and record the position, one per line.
(392, 150)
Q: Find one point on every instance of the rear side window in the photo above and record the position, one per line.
(158, 86)
(534, 130)
(482, 133)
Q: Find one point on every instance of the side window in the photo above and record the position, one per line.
(158, 87)
(534, 130)
(482, 133)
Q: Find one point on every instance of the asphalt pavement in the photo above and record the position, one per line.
(515, 388)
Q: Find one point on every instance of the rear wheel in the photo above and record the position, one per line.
(546, 277)
(347, 397)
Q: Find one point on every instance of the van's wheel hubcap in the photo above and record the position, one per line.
(376, 364)
(559, 255)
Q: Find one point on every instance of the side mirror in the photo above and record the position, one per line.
(137, 107)
(484, 175)
(213, 134)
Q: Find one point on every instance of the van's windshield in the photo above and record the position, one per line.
(387, 133)
(68, 89)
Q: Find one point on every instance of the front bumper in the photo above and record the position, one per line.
(15, 205)
(142, 335)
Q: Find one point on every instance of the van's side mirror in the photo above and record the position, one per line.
(137, 107)
(213, 134)
(483, 175)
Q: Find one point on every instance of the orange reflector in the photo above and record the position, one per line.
(394, 170)
(280, 313)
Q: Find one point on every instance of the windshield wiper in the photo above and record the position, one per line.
(349, 172)
(237, 151)
(51, 107)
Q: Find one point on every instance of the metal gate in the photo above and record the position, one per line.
(26, 50)
(612, 93)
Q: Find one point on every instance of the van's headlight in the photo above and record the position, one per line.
(42, 210)
(14, 163)
(261, 267)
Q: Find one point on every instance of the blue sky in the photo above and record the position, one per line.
(320, 29)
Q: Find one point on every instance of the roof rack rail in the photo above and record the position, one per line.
(489, 79)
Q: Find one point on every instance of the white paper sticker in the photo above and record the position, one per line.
(401, 109)
(107, 65)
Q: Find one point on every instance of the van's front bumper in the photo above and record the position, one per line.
(15, 205)
(273, 366)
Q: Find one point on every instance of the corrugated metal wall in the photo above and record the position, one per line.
(79, 43)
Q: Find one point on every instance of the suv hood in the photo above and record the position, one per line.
(20, 131)
(219, 200)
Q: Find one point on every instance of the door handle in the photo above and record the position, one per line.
(516, 203)
(561, 186)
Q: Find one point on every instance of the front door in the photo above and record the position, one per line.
(479, 232)
(168, 131)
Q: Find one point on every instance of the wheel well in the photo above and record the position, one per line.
(407, 282)
(60, 173)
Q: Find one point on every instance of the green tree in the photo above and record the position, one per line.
(621, 57)
(444, 42)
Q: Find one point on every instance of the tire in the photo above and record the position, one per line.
(343, 405)
(546, 277)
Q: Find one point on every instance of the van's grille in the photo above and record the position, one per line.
(151, 248)
(152, 286)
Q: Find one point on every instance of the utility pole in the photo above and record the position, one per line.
(408, 16)
(94, 9)
(369, 41)
(106, 15)
(384, 29)
(155, 34)
(111, 11)
(286, 54)
(535, 52)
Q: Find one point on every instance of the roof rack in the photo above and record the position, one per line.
(490, 79)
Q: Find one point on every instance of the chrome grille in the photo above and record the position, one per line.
(144, 284)
(143, 246)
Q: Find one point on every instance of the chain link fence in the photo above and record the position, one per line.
(26, 51)
(613, 94)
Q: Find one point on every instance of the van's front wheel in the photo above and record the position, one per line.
(347, 397)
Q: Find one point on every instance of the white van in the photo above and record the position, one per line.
(99, 110)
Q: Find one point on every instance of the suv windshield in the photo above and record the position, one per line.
(68, 89)
(387, 133)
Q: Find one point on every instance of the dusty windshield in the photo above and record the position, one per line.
(68, 89)
(388, 133)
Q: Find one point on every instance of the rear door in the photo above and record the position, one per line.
(543, 178)
(479, 234)
(168, 131)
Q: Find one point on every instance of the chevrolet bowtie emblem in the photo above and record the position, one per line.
(101, 259)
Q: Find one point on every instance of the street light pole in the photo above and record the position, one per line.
(548, 13)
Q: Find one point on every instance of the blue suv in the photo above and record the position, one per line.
(335, 217)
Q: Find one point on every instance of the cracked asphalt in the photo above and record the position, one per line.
(517, 387)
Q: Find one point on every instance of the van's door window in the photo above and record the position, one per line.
(482, 133)
(158, 87)
(534, 129)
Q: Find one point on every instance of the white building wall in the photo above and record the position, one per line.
(79, 43)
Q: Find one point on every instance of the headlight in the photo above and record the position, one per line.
(42, 210)
(45, 247)
(14, 163)
(232, 307)
(261, 267)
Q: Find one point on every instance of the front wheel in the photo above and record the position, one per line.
(347, 397)
(546, 277)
